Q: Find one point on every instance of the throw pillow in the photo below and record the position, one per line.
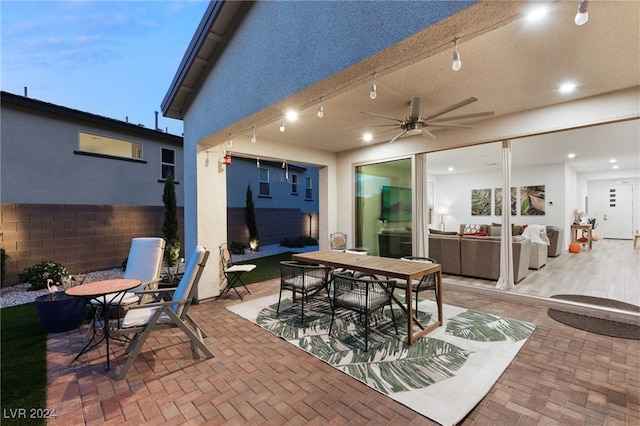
(471, 229)
(495, 231)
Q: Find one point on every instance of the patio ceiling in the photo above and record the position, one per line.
(511, 67)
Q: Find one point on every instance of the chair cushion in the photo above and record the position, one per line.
(140, 317)
(241, 268)
(309, 282)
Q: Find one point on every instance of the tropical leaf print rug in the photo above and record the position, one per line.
(441, 376)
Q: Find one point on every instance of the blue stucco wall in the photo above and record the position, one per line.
(283, 47)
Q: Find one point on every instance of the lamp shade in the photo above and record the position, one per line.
(442, 209)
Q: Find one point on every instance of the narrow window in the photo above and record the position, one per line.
(168, 163)
(95, 144)
(265, 189)
(308, 192)
(294, 184)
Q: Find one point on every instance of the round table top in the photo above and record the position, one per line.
(100, 288)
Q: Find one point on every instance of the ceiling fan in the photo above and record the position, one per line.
(415, 124)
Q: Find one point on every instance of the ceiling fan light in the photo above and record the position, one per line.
(583, 15)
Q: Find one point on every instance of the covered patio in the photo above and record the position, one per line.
(561, 376)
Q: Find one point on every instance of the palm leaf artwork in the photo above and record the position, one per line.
(483, 327)
(390, 365)
(532, 200)
(481, 202)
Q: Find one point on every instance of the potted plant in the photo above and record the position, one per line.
(592, 221)
(58, 312)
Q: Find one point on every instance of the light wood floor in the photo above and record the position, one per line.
(610, 270)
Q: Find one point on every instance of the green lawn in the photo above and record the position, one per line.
(24, 339)
(23, 371)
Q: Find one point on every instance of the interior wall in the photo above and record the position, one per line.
(454, 191)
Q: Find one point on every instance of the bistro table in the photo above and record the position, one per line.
(101, 291)
(388, 267)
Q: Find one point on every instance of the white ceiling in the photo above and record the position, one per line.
(514, 68)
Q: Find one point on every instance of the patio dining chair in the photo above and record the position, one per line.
(232, 272)
(144, 263)
(305, 280)
(141, 320)
(428, 282)
(363, 296)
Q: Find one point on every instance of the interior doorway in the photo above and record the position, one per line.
(617, 211)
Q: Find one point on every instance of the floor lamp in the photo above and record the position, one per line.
(442, 211)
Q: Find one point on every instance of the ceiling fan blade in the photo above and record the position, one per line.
(415, 106)
(428, 133)
(452, 107)
(451, 126)
(381, 116)
(376, 125)
(464, 117)
(399, 135)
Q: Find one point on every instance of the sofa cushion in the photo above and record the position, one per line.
(495, 231)
(471, 228)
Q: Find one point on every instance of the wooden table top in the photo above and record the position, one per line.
(387, 266)
(99, 288)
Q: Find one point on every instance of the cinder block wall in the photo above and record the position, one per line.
(82, 237)
(273, 225)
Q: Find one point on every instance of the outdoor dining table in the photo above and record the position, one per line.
(106, 293)
(388, 267)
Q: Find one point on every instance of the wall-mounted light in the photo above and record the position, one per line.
(583, 15)
(374, 90)
(457, 63)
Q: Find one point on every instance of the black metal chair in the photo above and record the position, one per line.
(361, 295)
(428, 282)
(303, 279)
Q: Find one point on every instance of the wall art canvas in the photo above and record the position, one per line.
(481, 202)
(498, 201)
(532, 200)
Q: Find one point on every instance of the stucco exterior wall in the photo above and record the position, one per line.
(38, 164)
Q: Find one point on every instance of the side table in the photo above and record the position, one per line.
(582, 227)
(98, 291)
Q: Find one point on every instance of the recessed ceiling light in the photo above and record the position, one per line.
(571, 155)
(450, 169)
(615, 166)
(367, 137)
(567, 87)
(292, 115)
(613, 160)
(537, 13)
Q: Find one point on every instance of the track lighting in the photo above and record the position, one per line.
(582, 16)
(282, 127)
(253, 135)
(374, 92)
(321, 109)
(457, 63)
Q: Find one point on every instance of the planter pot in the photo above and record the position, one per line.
(62, 313)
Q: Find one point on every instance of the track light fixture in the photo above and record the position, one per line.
(457, 63)
(374, 91)
(253, 135)
(582, 16)
(321, 109)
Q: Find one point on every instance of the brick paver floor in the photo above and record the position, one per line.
(561, 376)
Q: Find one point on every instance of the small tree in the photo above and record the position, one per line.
(254, 239)
(170, 228)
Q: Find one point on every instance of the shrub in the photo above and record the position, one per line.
(3, 265)
(299, 242)
(237, 247)
(37, 275)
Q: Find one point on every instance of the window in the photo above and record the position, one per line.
(308, 191)
(168, 163)
(265, 188)
(109, 146)
(294, 184)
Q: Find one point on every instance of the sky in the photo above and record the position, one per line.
(111, 58)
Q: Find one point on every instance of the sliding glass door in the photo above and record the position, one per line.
(384, 208)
